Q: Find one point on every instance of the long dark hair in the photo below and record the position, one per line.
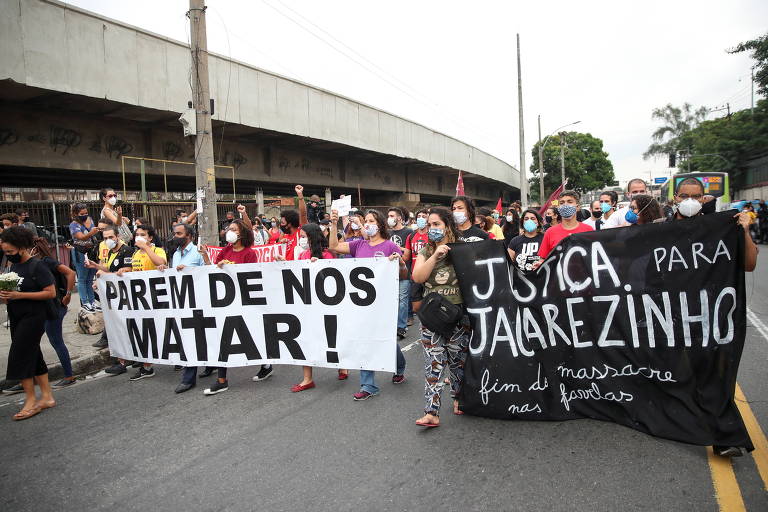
(648, 208)
(380, 221)
(76, 210)
(510, 229)
(316, 239)
(103, 193)
(451, 231)
(539, 220)
(246, 235)
(42, 248)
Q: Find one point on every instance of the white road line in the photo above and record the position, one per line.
(758, 324)
(409, 346)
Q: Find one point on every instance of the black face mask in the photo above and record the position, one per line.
(25, 218)
(708, 207)
(14, 258)
(548, 218)
(597, 213)
(82, 218)
(285, 229)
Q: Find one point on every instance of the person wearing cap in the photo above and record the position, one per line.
(314, 211)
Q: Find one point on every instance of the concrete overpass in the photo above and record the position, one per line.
(78, 91)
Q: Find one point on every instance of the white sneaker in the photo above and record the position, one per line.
(87, 307)
(96, 306)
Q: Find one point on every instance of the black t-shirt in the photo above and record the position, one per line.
(36, 277)
(123, 258)
(526, 250)
(473, 234)
(58, 277)
(399, 236)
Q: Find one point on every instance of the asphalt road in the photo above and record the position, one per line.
(112, 444)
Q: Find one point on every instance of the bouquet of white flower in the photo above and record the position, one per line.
(10, 282)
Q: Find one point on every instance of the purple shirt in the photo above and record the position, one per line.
(361, 249)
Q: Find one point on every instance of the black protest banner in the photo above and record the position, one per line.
(643, 326)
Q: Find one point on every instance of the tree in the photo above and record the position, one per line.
(759, 48)
(677, 121)
(587, 166)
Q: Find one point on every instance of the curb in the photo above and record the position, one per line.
(80, 366)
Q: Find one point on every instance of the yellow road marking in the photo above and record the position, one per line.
(727, 489)
(760, 454)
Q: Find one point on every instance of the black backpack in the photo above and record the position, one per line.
(439, 315)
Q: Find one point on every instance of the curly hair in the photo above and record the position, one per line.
(648, 208)
(246, 234)
(451, 231)
(18, 236)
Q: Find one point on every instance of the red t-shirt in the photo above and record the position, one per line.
(229, 255)
(555, 234)
(291, 241)
(416, 242)
(274, 236)
(327, 255)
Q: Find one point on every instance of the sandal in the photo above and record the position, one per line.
(343, 376)
(456, 410)
(46, 405)
(26, 413)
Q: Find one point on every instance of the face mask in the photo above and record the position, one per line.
(495, 216)
(391, 222)
(355, 226)
(605, 207)
(304, 243)
(567, 211)
(689, 207)
(435, 234)
(738, 205)
(509, 218)
(112, 201)
(25, 218)
(548, 218)
(631, 217)
(371, 229)
(285, 229)
(83, 218)
(459, 217)
(273, 224)
(14, 258)
(111, 244)
(324, 228)
(597, 214)
(421, 223)
(530, 225)
(231, 237)
(140, 239)
(708, 207)
(183, 220)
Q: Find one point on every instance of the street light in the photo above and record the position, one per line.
(541, 156)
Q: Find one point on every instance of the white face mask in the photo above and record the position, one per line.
(689, 207)
(371, 229)
(391, 222)
(509, 218)
(460, 217)
(111, 244)
(231, 237)
(355, 226)
(183, 220)
(304, 243)
(141, 239)
(112, 201)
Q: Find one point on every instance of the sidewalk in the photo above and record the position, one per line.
(85, 358)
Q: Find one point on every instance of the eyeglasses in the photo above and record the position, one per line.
(690, 196)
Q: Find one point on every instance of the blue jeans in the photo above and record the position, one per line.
(403, 303)
(54, 332)
(84, 278)
(189, 375)
(367, 377)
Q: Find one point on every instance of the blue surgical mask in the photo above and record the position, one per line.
(605, 207)
(631, 217)
(421, 223)
(435, 234)
(567, 211)
(738, 205)
(530, 225)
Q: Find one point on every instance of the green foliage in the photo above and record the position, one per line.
(676, 122)
(736, 139)
(587, 166)
(759, 48)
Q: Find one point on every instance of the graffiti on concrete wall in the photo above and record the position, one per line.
(232, 158)
(63, 139)
(112, 146)
(171, 150)
(8, 136)
(305, 165)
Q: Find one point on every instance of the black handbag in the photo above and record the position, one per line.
(439, 315)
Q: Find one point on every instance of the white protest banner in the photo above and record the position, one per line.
(264, 253)
(331, 313)
(342, 205)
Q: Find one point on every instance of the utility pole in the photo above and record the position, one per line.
(523, 179)
(541, 167)
(205, 177)
(752, 83)
(562, 156)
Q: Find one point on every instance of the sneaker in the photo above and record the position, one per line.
(398, 379)
(218, 387)
(363, 395)
(102, 343)
(207, 372)
(13, 390)
(63, 383)
(96, 306)
(143, 373)
(264, 373)
(137, 364)
(728, 451)
(87, 307)
(116, 369)
(401, 334)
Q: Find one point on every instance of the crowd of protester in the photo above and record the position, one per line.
(418, 241)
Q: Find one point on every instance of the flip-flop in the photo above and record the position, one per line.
(425, 424)
(23, 415)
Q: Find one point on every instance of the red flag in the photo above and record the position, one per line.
(460, 186)
(499, 206)
(553, 197)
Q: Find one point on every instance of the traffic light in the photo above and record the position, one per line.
(673, 160)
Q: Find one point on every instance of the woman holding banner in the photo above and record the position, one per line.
(314, 245)
(377, 245)
(434, 269)
(239, 237)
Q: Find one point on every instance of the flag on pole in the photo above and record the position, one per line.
(499, 206)
(460, 186)
(554, 195)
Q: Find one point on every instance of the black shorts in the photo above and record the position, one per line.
(417, 292)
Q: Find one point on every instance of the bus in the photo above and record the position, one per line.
(715, 184)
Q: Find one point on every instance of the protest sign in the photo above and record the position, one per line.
(342, 205)
(264, 253)
(332, 313)
(643, 326)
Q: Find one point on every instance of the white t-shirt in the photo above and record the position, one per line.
(618, 219)
(589, 222)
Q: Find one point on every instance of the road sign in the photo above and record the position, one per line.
(659, 181)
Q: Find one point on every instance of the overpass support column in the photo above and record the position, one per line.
(328, 199)
(259, 201)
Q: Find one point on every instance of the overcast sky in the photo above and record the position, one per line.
(451, 65)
